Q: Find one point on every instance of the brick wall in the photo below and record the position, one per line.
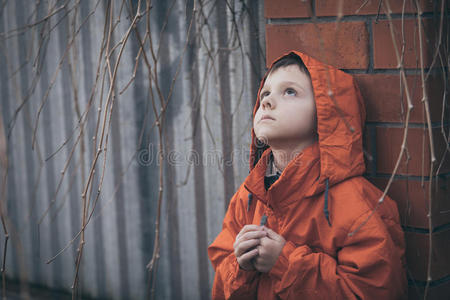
(362, 45)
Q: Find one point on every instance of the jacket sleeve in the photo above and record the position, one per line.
(367, 266)
(230, 281)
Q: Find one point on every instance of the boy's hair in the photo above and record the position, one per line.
(290, 59)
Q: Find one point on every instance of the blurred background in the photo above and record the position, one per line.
(91, 93)
(125, 131)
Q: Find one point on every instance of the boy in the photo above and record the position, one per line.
(302, 225)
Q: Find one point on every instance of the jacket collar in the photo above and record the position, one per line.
(299, 177)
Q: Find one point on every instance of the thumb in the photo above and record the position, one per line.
(272, 234)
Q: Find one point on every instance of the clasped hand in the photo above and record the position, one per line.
(257, 248)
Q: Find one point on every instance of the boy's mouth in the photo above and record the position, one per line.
(266, 117)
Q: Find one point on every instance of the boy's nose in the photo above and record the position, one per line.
(267, 102)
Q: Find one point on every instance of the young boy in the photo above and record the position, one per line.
(302, 225)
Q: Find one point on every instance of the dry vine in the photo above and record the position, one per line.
(105, 87)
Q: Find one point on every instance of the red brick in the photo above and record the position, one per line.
(383, 47)
(345, 48)
(435, 292)
(384, 101)
(417, 247)
(287, 9)
(412, 200)
(350, 7)
(388, 142)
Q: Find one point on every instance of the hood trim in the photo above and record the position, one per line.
(340, 122)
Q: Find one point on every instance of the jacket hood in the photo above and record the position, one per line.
(340, 123)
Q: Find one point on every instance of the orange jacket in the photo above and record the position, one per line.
(317, 203)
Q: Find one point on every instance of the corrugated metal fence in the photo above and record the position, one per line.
(58, 89)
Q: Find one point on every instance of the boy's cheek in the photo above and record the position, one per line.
(256, 129)
(255, 123)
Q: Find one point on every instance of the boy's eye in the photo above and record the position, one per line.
(264, 94)
(290, 92)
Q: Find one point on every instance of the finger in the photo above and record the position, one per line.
(260, 267)
(248, 256)
(250, 227)
(272, 234)
(264, 241)
(247, 228)
(258, 261)
(245, 246)
(261, 251)
(252, 235)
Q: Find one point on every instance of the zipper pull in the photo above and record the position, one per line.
(263, 220)
(249, 202)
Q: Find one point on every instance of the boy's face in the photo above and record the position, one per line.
(287, 110)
